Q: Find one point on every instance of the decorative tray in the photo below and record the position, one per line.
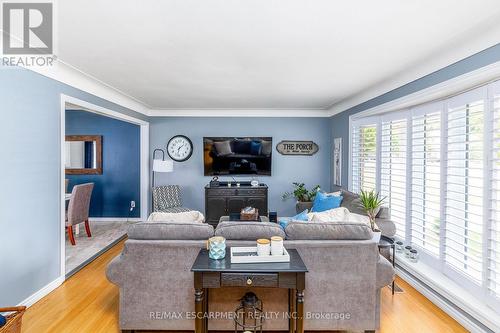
(248, 255)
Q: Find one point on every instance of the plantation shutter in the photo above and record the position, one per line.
(493, 276)
(393, 148)
(425, 186)
(364, 157)
(464, 183)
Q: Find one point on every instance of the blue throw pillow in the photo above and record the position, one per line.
(255, 148)
(324, 202)
(283, 222)
(301, 216)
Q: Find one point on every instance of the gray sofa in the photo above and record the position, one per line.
(342, 291)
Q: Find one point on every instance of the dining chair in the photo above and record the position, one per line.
(78, 209)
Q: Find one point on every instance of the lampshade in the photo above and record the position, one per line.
(163, 166)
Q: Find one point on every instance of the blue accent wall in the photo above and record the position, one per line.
(30, 203)
(120, 180)
(340, 122)
(311, 170)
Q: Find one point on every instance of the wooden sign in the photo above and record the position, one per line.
(306, 148)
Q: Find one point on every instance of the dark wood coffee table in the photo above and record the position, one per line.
(209, 273)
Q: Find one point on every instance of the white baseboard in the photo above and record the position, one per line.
(114, 219)
(440, 302)
(42, 292)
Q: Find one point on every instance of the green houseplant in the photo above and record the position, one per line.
(303, 196)
(371, 203)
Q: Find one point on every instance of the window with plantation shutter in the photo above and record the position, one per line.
(393, 147)
(493, 246)
(438, 166)
(464, 183)
(425, 178)
(364, 157)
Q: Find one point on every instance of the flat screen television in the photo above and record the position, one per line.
(237, 156)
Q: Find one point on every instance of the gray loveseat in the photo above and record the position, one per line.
(342, 291)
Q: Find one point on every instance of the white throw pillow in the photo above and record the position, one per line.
(188, 217)
(340, 214)
(332, 215)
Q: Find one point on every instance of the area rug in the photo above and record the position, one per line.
(104, 235)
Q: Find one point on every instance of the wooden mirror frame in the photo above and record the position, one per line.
(86, 171)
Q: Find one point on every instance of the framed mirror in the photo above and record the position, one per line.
(83, 155)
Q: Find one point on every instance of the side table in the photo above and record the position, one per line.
(209, 273)
(386, 242)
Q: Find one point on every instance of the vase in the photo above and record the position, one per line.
(216, 247)
(300, 206)
(376, 236)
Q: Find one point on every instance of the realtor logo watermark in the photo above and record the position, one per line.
(28, 34)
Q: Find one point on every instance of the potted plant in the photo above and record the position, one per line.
(371, 203)
(303, 196)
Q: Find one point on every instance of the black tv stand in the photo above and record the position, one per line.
(223, 200)
(245, 183)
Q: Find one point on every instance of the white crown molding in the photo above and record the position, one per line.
(436, 92)
(477, 42)
(240, 113)
(76, 78)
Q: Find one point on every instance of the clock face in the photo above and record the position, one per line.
(180, 148)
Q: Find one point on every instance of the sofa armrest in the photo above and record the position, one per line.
(114, 271)
(386, 226)
(385, 272)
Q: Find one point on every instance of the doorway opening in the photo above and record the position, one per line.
(104, 178)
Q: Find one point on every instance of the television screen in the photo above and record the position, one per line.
(237, 156)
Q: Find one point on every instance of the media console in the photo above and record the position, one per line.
(223, 200)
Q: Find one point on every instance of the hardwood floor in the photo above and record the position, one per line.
(87, 302)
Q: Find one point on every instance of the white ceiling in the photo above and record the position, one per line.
(264, 54)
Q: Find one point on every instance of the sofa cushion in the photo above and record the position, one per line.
(352, 202)
(296, 230)
(170, 231)
(242, 230)
(386, 226)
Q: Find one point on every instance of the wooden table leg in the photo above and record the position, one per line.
(205, 311)
(291, 310)
(300, 311)
(198, 308)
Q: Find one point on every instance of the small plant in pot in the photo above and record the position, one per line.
(371, 203)
(303, 196)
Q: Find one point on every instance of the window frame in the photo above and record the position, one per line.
(441, 105)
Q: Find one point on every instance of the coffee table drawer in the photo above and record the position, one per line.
(249, 280)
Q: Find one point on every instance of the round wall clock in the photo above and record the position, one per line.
(180, 148)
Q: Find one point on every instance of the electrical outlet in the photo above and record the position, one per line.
(132, 205)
